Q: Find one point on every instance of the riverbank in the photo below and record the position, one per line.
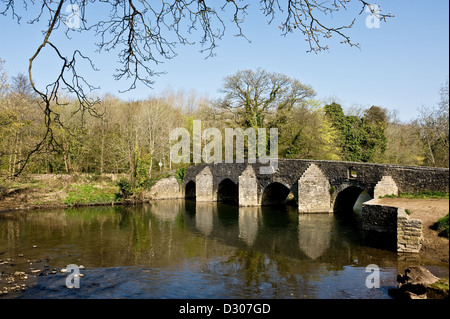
(57, 191)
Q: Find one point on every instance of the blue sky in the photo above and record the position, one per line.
(400, 66)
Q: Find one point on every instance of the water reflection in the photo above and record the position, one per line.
(249, 223)
(166, 210)
(314, 233)
(204, 212)
(183, 249)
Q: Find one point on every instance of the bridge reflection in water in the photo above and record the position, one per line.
(276, 228)
(314, 234)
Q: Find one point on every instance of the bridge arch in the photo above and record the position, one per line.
(348, 197)
(228, 192)
(190, 190)
(275, 193)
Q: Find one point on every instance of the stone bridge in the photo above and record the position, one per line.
(315, 186)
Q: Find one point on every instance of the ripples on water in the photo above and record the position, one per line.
(182, 249)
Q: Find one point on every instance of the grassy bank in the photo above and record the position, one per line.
(63, 190)
(57, 191)
(51, 190)
(91, 194)
(421, 195)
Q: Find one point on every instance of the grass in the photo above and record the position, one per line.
(442, 226)
(86, 194)
(438, 290)
(421, 195)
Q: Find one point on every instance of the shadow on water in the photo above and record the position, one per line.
(349, 224)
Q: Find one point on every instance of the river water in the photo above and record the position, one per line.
(182, 249)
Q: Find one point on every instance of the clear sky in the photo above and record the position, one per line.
(400, 66)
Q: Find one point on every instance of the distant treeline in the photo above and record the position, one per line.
(133, 137)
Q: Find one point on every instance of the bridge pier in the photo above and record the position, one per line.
(204, 186)
(248, 188)
(320, 187)
(314, 192)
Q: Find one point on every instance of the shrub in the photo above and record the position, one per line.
(332, 190)
(179, 174)
(442, 226)
(125, 188)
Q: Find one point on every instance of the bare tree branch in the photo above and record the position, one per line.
(146, 33)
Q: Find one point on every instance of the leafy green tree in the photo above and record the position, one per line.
(305, 132)
(361, 139)
(374, 124)
(403, 145)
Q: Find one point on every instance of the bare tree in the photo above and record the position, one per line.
(251, 95)
(4, 87)
(433, 125)
(146, 32)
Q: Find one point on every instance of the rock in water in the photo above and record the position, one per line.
(414, 283)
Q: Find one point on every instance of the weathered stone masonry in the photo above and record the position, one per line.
(314, 191)
(308, 180)
(394, 221)
(319, 187)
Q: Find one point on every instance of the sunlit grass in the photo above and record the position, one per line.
(421, 195)
(82, 194)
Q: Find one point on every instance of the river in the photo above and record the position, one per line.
(182, 249)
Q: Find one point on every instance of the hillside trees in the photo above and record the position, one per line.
(132, 137)
(306, 133)
(126, 137)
